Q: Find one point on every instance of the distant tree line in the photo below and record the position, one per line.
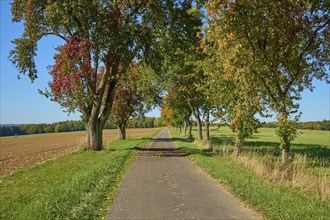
(310, 125)
(67, 126)
(26, 129)
(140, 122)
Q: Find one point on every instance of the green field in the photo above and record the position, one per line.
(315, 144)
(81, 185)
(281, 198)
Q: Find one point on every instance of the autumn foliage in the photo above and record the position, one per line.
(72, 68)
(127, 101)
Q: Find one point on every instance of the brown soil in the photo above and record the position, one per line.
(23, 151)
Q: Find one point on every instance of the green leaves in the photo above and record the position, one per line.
(23, 56)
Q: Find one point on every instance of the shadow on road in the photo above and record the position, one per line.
(166, 140)
(161, 147)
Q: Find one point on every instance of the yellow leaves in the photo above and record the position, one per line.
(182, 88)
(199, 35)
(237, 120)
(230, 36)
(229, 72)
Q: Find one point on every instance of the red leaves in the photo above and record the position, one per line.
(73, 67)
(127, 99)
(28, 7)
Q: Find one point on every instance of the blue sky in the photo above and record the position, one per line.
(21, 103)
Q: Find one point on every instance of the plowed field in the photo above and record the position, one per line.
(24, 151)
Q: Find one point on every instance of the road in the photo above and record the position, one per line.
(163, 184)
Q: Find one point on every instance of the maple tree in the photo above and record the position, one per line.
(281, 45)
(101, 38)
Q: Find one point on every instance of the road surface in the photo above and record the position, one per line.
(162, 184)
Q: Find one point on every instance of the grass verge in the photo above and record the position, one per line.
(309, 170)
(271, 199)
(81, 185)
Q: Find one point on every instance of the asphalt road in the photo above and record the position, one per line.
(163, 184)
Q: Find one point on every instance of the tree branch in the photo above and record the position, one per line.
(56, 34)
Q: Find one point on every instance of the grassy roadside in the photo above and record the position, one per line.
(81, 185)
(272, 200)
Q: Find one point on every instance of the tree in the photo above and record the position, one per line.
(158, 122)
(233, 98)
(49, 129)
(282, 45)
(178, 108)
(180, 111)
(126, 102)
(135, 94)
(58, 128)
(101, 38)
(178, 43)
(34, 129)
(166, 116)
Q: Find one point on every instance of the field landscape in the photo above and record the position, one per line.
(219, 109)
(23, 151)
(78, 185)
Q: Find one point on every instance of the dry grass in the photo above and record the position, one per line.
(23, 151)
(295, 174)
(204, 144)
(309, 168)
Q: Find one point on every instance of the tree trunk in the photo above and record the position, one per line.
(199, 128)
(207, 126)
(239, 145)
(189, 131)
(97, 116)
(285, 156)
(122, 131)
(94, 136)
(195, 112)
(285, 147)
(180, 128)
(286, 132)
(185, 128)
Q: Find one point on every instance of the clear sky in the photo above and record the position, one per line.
(21, 103)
